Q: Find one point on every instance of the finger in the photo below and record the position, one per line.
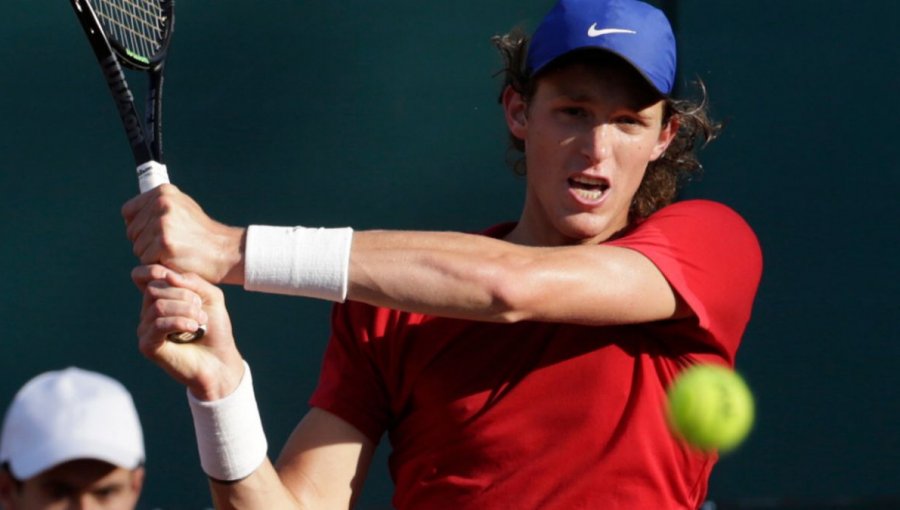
(136, 204)
(166, 299)
(184, 304)
(152, 336)
(131, 207)
(138, 223)
(175, 324)
(157, 302)
(208, 292)
(145, 232)
(143, 212)
(142, 275)
(159, 290)
(162, 289)
(147, 249)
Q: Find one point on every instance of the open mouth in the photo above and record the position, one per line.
(589, 188)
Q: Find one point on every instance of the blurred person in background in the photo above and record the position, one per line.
(71, 439)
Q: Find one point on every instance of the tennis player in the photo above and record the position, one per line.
(524, 367)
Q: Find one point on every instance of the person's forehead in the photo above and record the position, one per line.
(581, 81)
(82, 473)
(602, 63)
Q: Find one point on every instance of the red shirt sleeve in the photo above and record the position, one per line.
(712, 259)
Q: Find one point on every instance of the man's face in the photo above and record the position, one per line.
(79, 484)
(589, 132)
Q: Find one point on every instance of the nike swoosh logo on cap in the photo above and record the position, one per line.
(593, 31)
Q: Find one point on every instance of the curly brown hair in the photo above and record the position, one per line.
(665, 175)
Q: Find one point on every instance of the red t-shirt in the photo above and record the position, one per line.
(548, 415)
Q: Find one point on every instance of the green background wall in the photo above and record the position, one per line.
(384, 114)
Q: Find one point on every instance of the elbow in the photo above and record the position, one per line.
(512, 295)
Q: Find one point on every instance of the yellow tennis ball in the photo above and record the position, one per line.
(710, 407)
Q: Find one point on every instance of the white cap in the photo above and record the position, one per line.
(70, 414)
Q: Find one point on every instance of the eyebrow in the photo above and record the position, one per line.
(57, 486)
(575, 95)
(636, 107)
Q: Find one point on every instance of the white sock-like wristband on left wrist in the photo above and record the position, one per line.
(310, 262)
(230, 436)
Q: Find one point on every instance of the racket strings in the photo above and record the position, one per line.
(137, 25)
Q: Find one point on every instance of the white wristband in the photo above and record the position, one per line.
(229, 431)
(310, 262)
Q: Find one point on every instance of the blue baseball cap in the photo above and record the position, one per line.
(633, 30)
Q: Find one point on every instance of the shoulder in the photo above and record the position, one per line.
(711, 257)
(697, 221)
(704, 243)
(698, 210)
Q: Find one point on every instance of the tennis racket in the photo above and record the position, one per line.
(135, 34)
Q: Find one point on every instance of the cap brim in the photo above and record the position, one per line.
(49, 456)
(607, 51)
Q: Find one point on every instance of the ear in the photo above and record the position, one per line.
(137, 479)
(516, 111)
(666, 135)
(137, 484)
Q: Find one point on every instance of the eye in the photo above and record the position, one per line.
(105, 493)
(58, 492)
(574, 111)
(629, 120)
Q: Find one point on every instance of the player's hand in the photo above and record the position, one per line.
(210, 367)
(168, 227)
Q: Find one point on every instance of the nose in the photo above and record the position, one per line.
(596, 143)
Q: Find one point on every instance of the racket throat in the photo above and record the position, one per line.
(124, 100)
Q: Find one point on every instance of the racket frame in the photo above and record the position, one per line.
(144, 136)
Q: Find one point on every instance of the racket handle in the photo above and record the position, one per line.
(150, 175)
(184, 337)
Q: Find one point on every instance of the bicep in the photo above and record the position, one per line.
(325, 461)
(480, 278)
(591, 285)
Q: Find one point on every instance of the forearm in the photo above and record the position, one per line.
(233, 446)
(322, 466)
(442, 273)
(262, 490)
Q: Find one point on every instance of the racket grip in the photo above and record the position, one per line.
(151, 174)
(184, 337)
